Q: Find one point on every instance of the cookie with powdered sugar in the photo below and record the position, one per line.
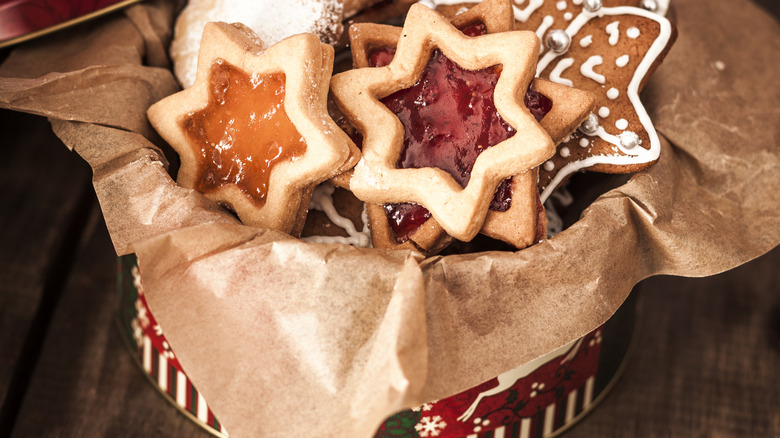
(273, 21)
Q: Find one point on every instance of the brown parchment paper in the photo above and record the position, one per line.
(285, 338)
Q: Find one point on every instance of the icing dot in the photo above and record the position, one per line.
(603, 112)
(621, 124)
(567, 139)
(622, 61)
(613, 93)
(586, 41)
(629, 140)
(549, 166)
(568, 16)
(719, 65)
(614, 32)
(577, 2)
(564, 152)
(560, 5)
(633, 32)
(584, 142)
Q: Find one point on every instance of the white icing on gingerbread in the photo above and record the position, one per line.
(663, 7)
(603, 112)
(614, 33)
(322, 200)
(622, 61)
(561, 5)
(547, 21)
(587, 69)
(568, 16)
(564, 152)
(549, 166)
(584, 142)
(636, 155)
(621, 124)
(562, 65)
(586, 41)
(633, 33)
(520, 14)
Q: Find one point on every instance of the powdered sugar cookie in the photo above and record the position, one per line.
(271, 20)
(253, 132)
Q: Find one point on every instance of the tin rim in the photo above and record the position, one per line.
(65, 24)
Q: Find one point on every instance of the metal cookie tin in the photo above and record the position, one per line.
(539, 399)
(21, 20)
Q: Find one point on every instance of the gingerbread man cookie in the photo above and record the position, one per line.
(253, 132)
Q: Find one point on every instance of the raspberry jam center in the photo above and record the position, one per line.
(243, 132)
(449, 118)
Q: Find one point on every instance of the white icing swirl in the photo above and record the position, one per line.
(322, 200)
(562, 65)
(547, 21)
(587, 69)
(614, 32)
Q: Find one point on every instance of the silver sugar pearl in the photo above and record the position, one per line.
(558, 41)
(592, 5)
(590, 125)
(629, 140)
(650, 5)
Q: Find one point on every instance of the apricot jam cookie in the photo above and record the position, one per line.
(373, 99)
(253, 132)
(519, 221)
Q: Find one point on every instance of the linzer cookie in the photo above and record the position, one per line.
(253, 132)
(518, 220)
(402, 101)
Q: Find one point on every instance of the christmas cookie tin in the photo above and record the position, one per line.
(541, 398)
(21, 20)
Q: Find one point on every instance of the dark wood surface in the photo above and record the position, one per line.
(707, 361)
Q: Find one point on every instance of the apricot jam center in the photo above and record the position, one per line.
(243, 132)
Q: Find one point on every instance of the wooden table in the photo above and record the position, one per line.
(707, 362)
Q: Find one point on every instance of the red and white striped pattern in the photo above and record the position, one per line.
(176, 387)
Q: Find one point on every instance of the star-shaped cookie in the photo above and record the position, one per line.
(253, 132)
(460, 210)
(612, 51)
(516, 216)
(609, 47)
